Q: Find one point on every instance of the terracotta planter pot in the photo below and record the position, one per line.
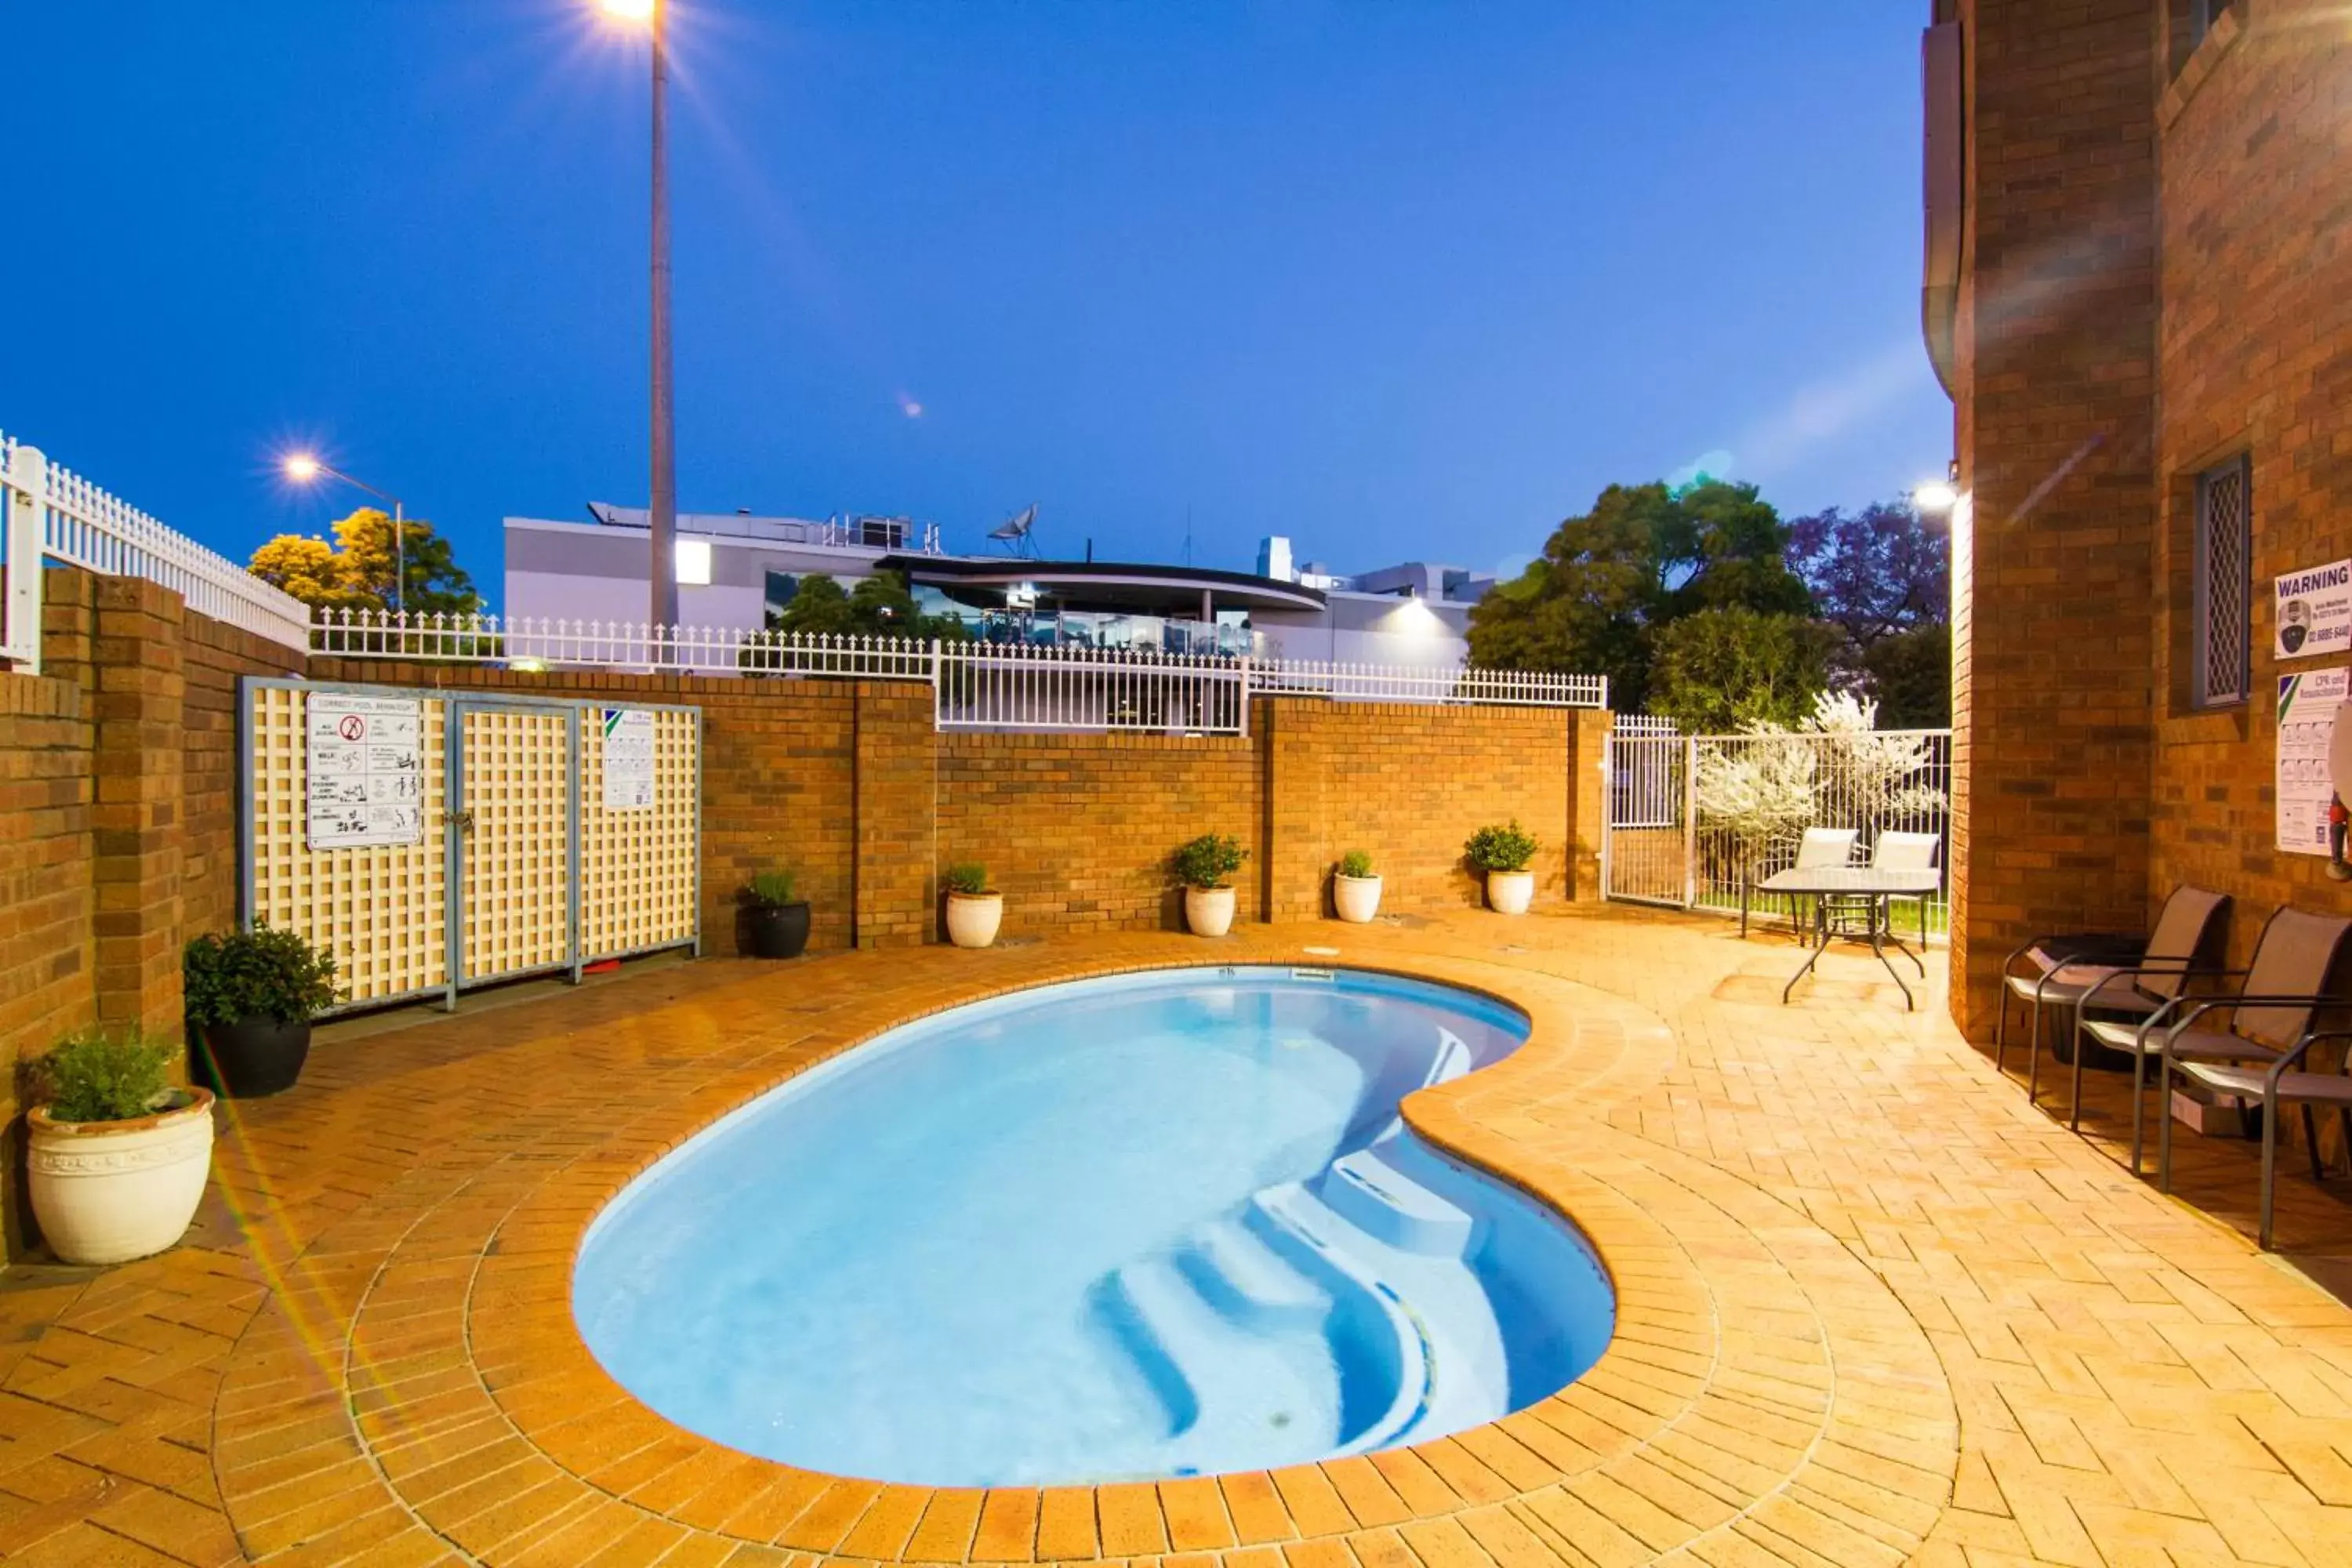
(1510, 892)
(107, 1191)
(972, 917)
(253, 1057)
(1356, 899)
(777, 930)
(1209, 911)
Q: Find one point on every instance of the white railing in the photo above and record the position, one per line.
(993, 686)
(1433, 683)
(528, 642)
(56, 512)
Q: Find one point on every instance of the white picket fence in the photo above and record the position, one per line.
(977, 685)
(55, 512)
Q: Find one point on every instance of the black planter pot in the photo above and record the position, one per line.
(251, 1057)
(776, 931)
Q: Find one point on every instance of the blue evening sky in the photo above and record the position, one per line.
(1401, 278)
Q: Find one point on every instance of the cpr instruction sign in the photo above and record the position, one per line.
(366, 772)
(2314, 611)
(628, 759)
(2307, 722)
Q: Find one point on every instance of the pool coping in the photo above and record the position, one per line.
(1710, 1409)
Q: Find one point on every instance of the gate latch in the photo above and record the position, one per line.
(462, 820)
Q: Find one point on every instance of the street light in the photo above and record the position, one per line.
(653, 16)
(303, 468)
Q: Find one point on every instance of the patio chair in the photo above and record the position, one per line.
(2280, 1084)
(2086, 951)
(1906, 852)
(2269, 1018)
(1820, 847)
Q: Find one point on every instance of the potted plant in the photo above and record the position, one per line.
(250, 996)
(776, 924)
(1503, 853)
(1356, 889)
(1203, 867)
(117, 1156)
(974, 909)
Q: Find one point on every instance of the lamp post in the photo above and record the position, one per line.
(662, 498)
(303, 469)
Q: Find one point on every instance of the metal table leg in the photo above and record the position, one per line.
(1877, 917)
(1821, 945)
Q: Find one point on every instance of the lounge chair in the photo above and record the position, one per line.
(2055, 968)
(2270, 1016)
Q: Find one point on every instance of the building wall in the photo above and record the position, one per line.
(2255, 356)
(2054, 566)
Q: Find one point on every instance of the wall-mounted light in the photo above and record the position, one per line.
(1939, 497)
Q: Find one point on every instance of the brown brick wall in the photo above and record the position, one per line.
(2256, 356)
(47, 964)
(2055, 418)
(1408, 783)
(1076, 829)
(214, 657)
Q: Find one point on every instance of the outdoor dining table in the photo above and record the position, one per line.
(1837, 889)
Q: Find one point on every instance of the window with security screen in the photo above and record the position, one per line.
(2224, 599)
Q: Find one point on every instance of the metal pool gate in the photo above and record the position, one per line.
(1694, 818)
(433, 840)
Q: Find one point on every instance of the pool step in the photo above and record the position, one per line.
(1228, 1389)
(1240, 1276)
(1383, 1201)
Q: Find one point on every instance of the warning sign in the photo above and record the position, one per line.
(366, 771)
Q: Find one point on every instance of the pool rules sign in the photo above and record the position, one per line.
(366, 772)
(628, 759)
(2306, 726)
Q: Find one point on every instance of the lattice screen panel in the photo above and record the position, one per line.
(637, 866)
(517, 765)
(378, 909)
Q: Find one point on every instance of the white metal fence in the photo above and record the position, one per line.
(1696, 821)
(55, 512)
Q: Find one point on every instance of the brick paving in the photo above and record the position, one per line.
(1871, 1309)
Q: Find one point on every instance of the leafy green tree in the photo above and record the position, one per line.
(1910, 672)
(357, 571)
(1646, 556)
(1726, 669)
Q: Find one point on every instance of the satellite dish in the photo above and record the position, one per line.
(1019, 532)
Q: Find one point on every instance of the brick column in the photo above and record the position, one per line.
(1290, 867)
(897, 890)
(136, 667)
(2052, 560)
(1587, 800)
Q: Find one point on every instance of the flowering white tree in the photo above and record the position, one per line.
(1758, 792)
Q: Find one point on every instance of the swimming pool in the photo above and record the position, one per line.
(1159, 1225)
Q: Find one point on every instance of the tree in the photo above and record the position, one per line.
(1643, 557)
(1728, 668)
(1884, 577)
(356, 572)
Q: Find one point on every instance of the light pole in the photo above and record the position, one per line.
(303, 469)
(654, 16)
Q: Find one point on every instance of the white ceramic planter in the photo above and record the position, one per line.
(1510, 892)
(1355, 898)
(1208, 911)
(972, 917)
(107, 1191)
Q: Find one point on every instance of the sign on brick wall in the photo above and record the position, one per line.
(2307, 722)
(2314, 611)
(628, 759)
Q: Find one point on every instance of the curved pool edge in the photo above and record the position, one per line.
(1668, 1350)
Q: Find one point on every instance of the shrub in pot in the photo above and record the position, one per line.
(776, 924)
(974, 909)
(250, 996)
(1356, 888)
(1203, 867)
(115, 1156)
(1503, 853)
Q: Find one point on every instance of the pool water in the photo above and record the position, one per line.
(1160, 1225)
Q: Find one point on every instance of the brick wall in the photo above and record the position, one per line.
(214, 657)
(1408, 783)
(2256, 357)
(1076, 829)
(2054, 415)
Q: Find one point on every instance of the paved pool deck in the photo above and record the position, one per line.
(1873, 1309)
